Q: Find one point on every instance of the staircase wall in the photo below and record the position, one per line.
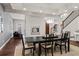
(73, 26)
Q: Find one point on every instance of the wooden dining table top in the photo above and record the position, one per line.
(40, 39)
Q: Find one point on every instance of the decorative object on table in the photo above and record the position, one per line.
(55, 31)
(35, 30)
(55, 27)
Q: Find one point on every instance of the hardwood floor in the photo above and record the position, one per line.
(76, 43)
(9, 48)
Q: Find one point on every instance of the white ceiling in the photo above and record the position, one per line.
(17, 16)
(61, 10)
(51, 8)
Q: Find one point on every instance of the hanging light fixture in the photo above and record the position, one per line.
(49, 20)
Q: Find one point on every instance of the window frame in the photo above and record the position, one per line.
(1, 24)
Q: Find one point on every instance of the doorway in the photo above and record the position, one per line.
(18, 26)
(46, 28)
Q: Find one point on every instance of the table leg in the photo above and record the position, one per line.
(34, 46)
(68, 45)
(52, 49)
(39, 51)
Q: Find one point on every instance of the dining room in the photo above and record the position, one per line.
(39, 29)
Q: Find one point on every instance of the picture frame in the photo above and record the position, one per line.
(35, 30)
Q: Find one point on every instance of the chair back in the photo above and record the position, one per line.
(65, 36)
(23, 40)
(48, 41)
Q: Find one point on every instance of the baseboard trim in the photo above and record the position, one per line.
(5, 43)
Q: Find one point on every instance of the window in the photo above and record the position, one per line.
(1, 24)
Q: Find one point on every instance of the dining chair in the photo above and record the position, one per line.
(31, 48)
(62, 42)
(48, 44)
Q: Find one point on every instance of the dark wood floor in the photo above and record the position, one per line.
(9, 48)
(76, 43)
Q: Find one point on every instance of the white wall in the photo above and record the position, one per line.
(39, 22)
(73, 26)
(1, 9)
(35, 21)
(8, 27)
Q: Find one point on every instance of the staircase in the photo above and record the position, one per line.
(70, 18)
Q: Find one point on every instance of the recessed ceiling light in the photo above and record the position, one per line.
(65, 14)
(76, 7)
(24, 8)
(41, 11)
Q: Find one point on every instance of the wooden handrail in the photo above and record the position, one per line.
(70, 21)
(68, 16)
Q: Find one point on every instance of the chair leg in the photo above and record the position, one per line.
(55, 47)
(30, 50)
(65, 48)
(52, 51)
(40, 51)
(34, 46)
(33, 51)
(45, 52)
(60, 49)
(23, 52)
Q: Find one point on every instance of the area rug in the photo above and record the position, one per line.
(74, 51)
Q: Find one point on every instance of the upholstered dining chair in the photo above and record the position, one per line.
(63, 42)
(31, 48)
(48, 44)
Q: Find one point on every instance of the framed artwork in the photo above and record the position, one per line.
(35, 31)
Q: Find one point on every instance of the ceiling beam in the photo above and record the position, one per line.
(27, 12)
(8, 8)
(6, 5)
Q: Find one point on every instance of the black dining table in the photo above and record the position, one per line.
(42, 39)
